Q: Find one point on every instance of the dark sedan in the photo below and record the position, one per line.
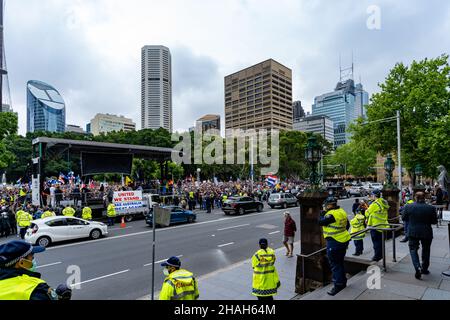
(241, 205)
(177, 215)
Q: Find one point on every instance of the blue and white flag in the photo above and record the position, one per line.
(272, 180)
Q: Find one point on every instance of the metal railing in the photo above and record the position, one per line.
(380, 227)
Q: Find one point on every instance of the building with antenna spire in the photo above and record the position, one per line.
(5, 94)
(343, 105)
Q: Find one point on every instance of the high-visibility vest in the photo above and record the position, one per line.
(265, 276)
(338, 229)
(377, 214)
(357, 224)
(87, 213)
(18, 288)
(48, 214)
(410, 202)
(24, 219)
(68, 212)
(191, 195)
(22, 193)
(111, 211)
(179, 285)
(224, 198)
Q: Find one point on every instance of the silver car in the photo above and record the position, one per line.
(283, 200)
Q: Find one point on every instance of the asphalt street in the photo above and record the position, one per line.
(118, 267)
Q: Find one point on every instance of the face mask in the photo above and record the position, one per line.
(166, 272)
(33, 265)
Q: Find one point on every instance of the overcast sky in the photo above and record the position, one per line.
(90, 49)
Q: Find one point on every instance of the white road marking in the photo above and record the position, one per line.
(160, 261)
(99, 278)
(226, 244)
(240, 226)
(48, 265)
(114, 229)
(165, 229)
(275, 232)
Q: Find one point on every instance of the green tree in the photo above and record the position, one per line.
(8, 127)
(421, 93)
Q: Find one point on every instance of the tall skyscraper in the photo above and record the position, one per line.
(259, 97)
(343, 106)
(156, 96)
(46, 110)
(5, 95)
(298, 110)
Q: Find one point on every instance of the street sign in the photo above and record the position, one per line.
(162, 216)
(35, 192)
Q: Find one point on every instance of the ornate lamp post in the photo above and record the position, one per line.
(418, 171)
(198, 175)
(313, 155)
(389, 166)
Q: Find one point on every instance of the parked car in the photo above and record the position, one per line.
(338, 191)
(177, 215)
(44, 232)
(241, 205)
(357, 192)
(283, 200)
(376, 186)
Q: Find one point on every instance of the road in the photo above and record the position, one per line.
(118, 267)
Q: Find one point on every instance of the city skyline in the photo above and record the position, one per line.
(108, 34)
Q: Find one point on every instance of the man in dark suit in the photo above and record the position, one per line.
(420, 217)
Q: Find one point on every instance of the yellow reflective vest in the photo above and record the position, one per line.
(338, 229)
(265, 276)
(24, 219)
(357, 224)
(68, 212)
(18, 288)
(377, 214)
(111, 211)
(179, 285)
(87, 213)
(191, 195)
(48, 214)
(22, 193)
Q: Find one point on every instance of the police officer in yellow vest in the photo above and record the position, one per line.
(18, 278)
(377, 215)
(87, 213)
(24, 221)
(48, 214)
(179, 284)
(68, 212)
(358, 224)
(111, 213)
(265, 276)
(335, 230)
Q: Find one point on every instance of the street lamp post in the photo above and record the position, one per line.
(389, 166)
(418, 171)
(313, 155)
(198, 175)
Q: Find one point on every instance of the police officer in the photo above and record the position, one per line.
(335, 230)
(111, 213)
(87, 213)
(179, 284)
(358, 224)
(24, 221)
(68, 211)
(377, 215)
(47, 213)
(265, 276)
(18, 277)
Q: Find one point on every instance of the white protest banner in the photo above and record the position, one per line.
(128, 201)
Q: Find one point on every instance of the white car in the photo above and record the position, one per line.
(44, 232)
(376, 186)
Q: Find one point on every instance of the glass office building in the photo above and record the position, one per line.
(343, 106)
(46, 110)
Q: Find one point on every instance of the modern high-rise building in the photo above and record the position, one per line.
(361, 101)
(46, 110)
(259, 97)
(322, 125)
(342, 107)
(208, 122)
(298, 111)
(156, 95)
(104, 123)
(75, 129)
